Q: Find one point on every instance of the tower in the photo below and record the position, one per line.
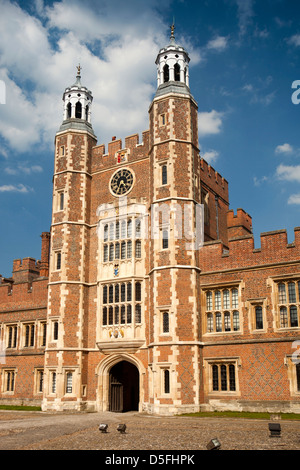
(175, 215)
(67, 290)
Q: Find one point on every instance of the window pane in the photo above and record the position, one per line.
(215, 377)
(111, 294)
(293, 316)
(138, 292)
(123, 229)
(123, 250)
(105, 294)
(210, 322)
(223, 378)
(129, 292)
(129, 249)
(111, 316)
(166, 322)
(292, 292)
(104, 317)
(298, 376)
(123, 292)
(236, 321)
(283, 317)
(69, 382)
(226, 299)
(116, 315)
(105, 253)
(117, 236)
(117, 293)
(227, 323)
(165, 239)
(111, 252)
(129, 228)
(209, 301)
(231, 377)
(128, 313)
(138, 249)
(164, 174)
(235, 298)
(217, 300)
(137, 228)
(167, 381)
(105, 233)
(111, 231)
(258, 318)
(281, 293)
(117, 250)
(123, 314)
(138, 313)
(218, 322)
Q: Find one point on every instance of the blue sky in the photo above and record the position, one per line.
(244, 60)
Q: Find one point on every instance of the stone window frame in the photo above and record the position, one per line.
(135, 301)
(219, 310)
(28, 334)
(279, 304)
(292, 363)
(163, 368)
(251, 305)
(39, 379)
(8, 380)
(119, 245)
(222, 361)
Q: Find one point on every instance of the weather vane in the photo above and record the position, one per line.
(172, 28)
(78, 69)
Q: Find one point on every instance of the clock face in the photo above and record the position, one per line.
(121, 182)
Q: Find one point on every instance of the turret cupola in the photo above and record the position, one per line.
(77, 106)
(172, 68)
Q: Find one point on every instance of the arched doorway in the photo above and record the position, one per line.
(123, 387)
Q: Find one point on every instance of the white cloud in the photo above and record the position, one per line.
(115, 42)
(16, 189)
(245, 14)
(210, 156)
(294, 199)
(294, 40)
(284, 148)
(27, 170)
(258, 181)
(219, 43)
(209, 122)
(288, 172)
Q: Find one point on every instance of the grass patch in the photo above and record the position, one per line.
(241, 414)
(20, 408)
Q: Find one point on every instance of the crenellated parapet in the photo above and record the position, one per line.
(116, 153)
(240, 252)
(212, 179)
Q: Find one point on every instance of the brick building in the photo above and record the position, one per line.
(150, 294)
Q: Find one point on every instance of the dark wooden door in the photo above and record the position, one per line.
(116, 395)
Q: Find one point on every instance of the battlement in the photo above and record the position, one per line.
(241, 252)
(25, 270)
(117, 153)
(213, 179)
(239, 224)
(30, 294)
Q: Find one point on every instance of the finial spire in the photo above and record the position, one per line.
(172, 30)
(78, 70)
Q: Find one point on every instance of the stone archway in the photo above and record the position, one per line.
(123, 387)
(106, 370)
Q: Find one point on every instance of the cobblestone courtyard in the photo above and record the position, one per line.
(43, 431)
